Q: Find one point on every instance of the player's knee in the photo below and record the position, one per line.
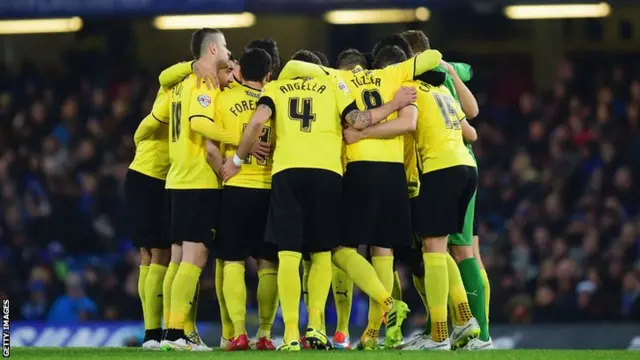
(161, 256)
(195, 253)
(460, 253)
(176, 253)
(434, 245)
(379, 251)
(145, 257)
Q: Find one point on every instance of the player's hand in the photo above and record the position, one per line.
(352, 135)
(448, 67)
(228, 170)
(406, 95)
(206, 73)
(260, 150)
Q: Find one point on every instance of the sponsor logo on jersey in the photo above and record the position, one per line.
(204, 100)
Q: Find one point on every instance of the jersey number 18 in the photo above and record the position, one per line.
(176, 113)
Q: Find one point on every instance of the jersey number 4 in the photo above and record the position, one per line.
(176, 115)
(302, 110)
(448, 110)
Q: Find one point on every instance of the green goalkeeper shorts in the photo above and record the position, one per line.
(465, 238)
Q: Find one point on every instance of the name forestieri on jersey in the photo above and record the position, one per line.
(242, 106)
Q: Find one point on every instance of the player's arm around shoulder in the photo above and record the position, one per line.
(202, 118)
(159, 116)
(297, 69)
(206, 74)
(405, 123)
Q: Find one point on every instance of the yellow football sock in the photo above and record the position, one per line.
(436, 285)
(289, 290)
(319, 284)
(342, 287)
(306, 267)
(227, 325)
(397, 286)
(235, 295)
(267, 295)
(182, 293)
(418, 283)
(487, 291)
(167, 284)
(153, 296)
(142, 279)
(452, 310)
(190, 320)
(457, 293)
(364, 276)
(383, 265)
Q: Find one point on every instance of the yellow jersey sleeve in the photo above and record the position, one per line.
(345, 101)
(410, 68)
(201, 117)
(202, 103)
(297, 69)
(268, 97)
(175, 73)
(160, 109)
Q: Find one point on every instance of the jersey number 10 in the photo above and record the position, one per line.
(176, 113)
(448, 110)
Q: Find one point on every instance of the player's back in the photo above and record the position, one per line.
(187, 152)
(372, 89)
(308, 130)
(152, 154)
(438, 131)
(234, 107)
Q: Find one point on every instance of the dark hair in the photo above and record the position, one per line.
(200, 38)
(418, 41)
(389, 55)
(269, 45)
(369, 58)
(255, 64)
(350, 58)
(391, 40)
(306, 56)
(323, 58)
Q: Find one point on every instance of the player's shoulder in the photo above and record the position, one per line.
(229, 92)
(272, 86)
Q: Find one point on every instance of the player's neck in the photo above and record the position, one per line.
(253, 84)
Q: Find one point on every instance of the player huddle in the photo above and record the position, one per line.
(303, 164)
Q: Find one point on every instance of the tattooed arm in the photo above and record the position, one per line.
(361, 119)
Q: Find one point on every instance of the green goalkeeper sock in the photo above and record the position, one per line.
(474, 286)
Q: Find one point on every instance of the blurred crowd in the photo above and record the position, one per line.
(558, 203)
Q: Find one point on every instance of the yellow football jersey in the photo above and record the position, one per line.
(438, 133)
(371, 89)
(152, 154)
(189, 167)
(307, 115)
(234, 107)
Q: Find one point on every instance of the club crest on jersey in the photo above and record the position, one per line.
(342, 86)
(204, 100)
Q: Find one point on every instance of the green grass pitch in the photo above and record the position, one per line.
(131, 353)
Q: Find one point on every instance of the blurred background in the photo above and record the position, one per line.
(558, 151)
